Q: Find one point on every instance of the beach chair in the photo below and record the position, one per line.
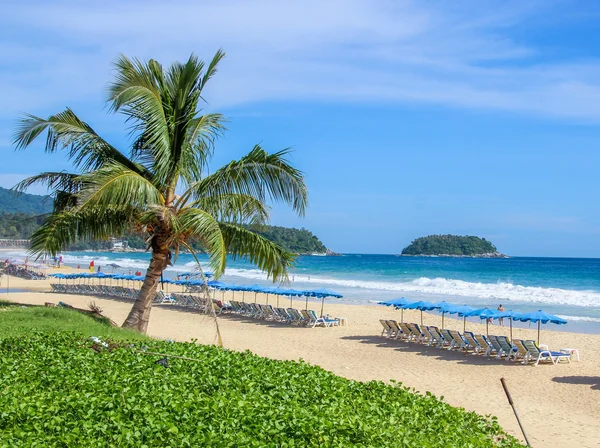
(485, 345)
(386, 332)
(458, 340)
(506, 346)
(323, 320)
(447, 339)
(534, 353)
(472, 343)
(435, 335)
(418, 335)
(521, 351)
(428, 337)
(298, 318)
(396, 331)
(497, 347)
(406, 331)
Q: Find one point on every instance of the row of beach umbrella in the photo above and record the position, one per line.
(321, 293)
(464, 311)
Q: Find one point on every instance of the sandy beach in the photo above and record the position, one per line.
(559, 405)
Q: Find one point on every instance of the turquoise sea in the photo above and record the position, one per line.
(568, 287)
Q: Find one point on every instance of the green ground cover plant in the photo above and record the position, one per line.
(60, 389)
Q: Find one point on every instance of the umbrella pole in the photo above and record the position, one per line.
(277, 300)
(255, 294)
(442, 320)
(511, 338)
(421, 317)
(267, 298)
(291, 301)
(306, 303)
(244, 296)
(539, 322)
(402, 316)
(487, 324)
(322, 303)
(464, 323)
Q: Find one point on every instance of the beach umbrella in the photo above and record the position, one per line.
(484, 313)
(398, 304)
(321, 293)
(511, 316)
(445, 307)
(421, 306)
(541, 318)
(462, 310)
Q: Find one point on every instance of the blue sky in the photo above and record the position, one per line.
(408, 117)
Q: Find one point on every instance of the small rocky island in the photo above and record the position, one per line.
(452, 246)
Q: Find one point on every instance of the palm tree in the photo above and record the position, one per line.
(161, 189)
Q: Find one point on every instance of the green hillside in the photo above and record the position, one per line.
(18, 220)
(450, 245)
(10, 202)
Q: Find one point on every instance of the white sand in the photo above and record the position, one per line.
(558, 405)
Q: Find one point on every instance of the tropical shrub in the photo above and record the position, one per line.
(62, 389)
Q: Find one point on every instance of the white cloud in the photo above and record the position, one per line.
(455, 54)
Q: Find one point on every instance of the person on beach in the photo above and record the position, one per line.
(501, 319)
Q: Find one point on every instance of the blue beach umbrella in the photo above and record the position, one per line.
(445, 307)
(484, 313)
(462, 310)
(541, 318)
(511, 316)
(321, 293)
(398, 304)
(421, 306)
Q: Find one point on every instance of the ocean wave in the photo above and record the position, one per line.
(579, 318)
(442, 286)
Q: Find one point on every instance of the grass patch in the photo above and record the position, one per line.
(17, 321)
(61, 389)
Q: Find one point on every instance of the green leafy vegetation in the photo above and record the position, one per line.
(298, 241)
(62, 389)
(10, 202)
(449, 245)
(19, 225)
(16, 321)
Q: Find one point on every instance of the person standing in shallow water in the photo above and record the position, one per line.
(500, 319)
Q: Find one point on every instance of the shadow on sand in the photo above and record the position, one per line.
(424, 350)
(593, 381)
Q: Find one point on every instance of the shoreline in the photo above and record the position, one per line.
(558, 404)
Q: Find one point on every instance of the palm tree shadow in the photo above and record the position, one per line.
(593, 381)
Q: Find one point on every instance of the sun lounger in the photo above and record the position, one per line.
(387, 330)
(428, 337)
(521, 351)
(406, 331)
(534, 353)
(485, 345)
(435, 335)
(324, 321)
(459, 342)
(472, 343)
(497, 347)
(416, 332)
(506, 346)
(396, 331)
(447, 339)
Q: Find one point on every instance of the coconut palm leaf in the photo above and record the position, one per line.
(267, 255)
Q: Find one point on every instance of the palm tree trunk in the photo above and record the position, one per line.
(140, 312)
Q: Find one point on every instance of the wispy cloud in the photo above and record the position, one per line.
(453, 54)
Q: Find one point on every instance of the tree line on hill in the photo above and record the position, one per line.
(450, 245)
(298, 241)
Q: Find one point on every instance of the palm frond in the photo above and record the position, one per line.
(260, 175)
(64, 228)
(200, 225)
(52, 180)
(116, 185)
(234, 208)
(86, 149)
(267, 255)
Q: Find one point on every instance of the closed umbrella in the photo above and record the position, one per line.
(541, 318)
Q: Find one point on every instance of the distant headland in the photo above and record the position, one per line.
(452, 246)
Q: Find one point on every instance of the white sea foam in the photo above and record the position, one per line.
(579, 318)
(443, 286)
